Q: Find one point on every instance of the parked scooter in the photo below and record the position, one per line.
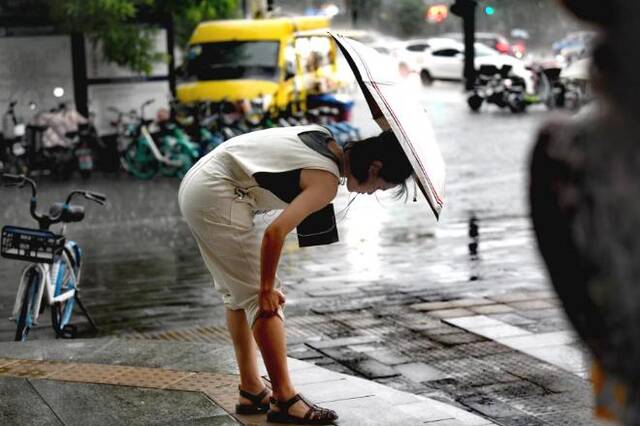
(13, 151)
(62, 140)
(143, 157)
(498, 86)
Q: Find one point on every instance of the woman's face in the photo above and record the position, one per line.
(373, 182)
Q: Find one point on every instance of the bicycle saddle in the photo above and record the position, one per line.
(72, 214)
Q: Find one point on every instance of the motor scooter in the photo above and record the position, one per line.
(13, 158)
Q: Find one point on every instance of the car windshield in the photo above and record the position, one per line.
(232, 60)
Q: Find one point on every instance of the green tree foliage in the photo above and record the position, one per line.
(188, 14)
(407, 17)
(110, 24)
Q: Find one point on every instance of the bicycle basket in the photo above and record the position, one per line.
(31, 245)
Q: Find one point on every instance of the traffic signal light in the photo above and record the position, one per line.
(489, 10)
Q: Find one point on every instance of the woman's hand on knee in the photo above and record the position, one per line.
(269, 301)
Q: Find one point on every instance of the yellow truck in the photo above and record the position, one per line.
(278, 61)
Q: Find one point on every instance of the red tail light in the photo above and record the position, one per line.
(502, 47)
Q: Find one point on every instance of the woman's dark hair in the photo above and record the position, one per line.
(386, 149)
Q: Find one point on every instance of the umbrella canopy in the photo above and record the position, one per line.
(395, 108)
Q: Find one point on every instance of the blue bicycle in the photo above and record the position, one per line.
(56, 263)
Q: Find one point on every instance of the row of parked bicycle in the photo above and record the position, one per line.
(61, 141)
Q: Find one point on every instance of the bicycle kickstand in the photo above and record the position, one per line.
(85, 312)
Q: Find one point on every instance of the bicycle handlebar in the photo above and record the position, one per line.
(45, 220)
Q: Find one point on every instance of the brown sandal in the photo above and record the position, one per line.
(256, 406)
(314, 416)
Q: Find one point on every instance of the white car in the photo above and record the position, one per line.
(409, 54)
(444, 60)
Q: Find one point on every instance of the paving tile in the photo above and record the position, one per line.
(330, 343)
(541, 314)
(424, 411)
(513, 319)
(420, 372)
(527, 341)
(107, 404)
(529, 305)
(388, 356)
(340, 389)
(433, 306)
(34, 369)
(462, 417)
(451, 313)
(563, 356)
(500, 332)
(473, 321)
(514, 297)
(370, 411)
(372, 369)
(21, 404)
(312, 375)
(490, 407)
(491, 309)
(452, 339)
(221, 420)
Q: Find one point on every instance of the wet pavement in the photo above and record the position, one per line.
(400, 300)
(116, 381)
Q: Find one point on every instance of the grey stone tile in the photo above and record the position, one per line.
(341, 388)
(330, 343)
(490, 407)
(420, 372)
(564, 356)
(373, 369)
(451, 313)
(528, 305)
(370, 411)
(388, 356)
(492, 309)
(222, 420)
(473, 322)
(139, 353)
(106, 404)
(501, 332)
(530, 341)
(21, 404)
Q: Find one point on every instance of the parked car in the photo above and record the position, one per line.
(444, 60)
(409, 54)
(574, 46)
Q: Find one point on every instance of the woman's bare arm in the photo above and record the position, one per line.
(319, 188)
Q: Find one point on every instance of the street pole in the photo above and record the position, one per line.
(466, 9)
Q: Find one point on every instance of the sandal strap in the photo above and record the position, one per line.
(315, 412)
(255, 398)
(285, 405)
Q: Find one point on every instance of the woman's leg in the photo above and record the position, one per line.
(246, 352)
(270, 335)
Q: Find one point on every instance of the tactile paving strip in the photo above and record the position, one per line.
(221, 388)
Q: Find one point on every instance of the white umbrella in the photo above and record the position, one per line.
(395, 108)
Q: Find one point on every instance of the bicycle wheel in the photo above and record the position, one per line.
(139, 160)
(27, 314)
(61, 312)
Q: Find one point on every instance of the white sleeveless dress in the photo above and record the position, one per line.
(219, 198)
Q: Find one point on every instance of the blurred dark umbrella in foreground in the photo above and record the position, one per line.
(397, 109)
